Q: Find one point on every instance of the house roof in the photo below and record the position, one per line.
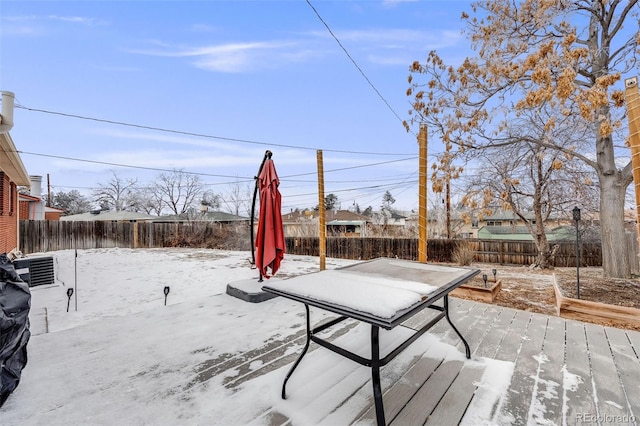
(507, 215)
(28, 198)
(330, 216)
(11, 163)
(216, 216)
(506, 229)
(53, 209)
(522, 232)
(345, 222)
(108, 215)
(396, 215)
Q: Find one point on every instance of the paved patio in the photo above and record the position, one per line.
(564, 372)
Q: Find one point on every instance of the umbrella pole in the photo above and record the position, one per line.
(267, 155)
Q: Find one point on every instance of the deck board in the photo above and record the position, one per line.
(454, 403)
(511, 343)
(628, 367)
(402, 391)
(610, 399)
(521, 396)
(495, 335)
(426, 399)
(578, 387)
(550, 387)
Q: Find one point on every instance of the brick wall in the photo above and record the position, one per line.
(25, 206)
(8, 214)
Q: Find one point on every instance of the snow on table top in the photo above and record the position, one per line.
(382, 297)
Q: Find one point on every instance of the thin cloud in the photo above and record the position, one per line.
(73, 19)
(37, 25)
(234, 57)
(394, 3)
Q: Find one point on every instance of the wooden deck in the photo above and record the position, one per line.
(563, 372)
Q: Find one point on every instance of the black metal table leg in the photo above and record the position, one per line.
(304, 351)
(446, 313)
(375, 375)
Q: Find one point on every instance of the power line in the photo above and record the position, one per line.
(355, 63)
(204, 174)
(106, 163)
(201, 135)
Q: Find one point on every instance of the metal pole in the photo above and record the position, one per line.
(576, 219)
(75, 277)
(578, 258)
(267, 155)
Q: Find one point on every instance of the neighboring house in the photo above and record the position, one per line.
(218, 217)
(98, 215)
(209, 216)
(337, 222)
(395, 218)
(521, 233)
(510, 223)
(343, 223)
(32, 206)
(12, 175)
(52, 213)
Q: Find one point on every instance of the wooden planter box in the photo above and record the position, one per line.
(584, 310)
(482, 294)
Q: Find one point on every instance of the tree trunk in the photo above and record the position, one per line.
(544, 252)
(615, 260)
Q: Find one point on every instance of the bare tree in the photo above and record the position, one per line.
(530, 179)
(238, 198)
(567, 53)
(115, 194)
(146, 200)
(179, 191)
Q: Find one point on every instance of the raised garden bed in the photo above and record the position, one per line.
(587, 310)
(477, 290)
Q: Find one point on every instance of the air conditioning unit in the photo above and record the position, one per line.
(35, 270)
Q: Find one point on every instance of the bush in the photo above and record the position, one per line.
(463, 254)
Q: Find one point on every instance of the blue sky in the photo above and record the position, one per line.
(248, 75)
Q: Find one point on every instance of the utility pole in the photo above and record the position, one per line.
(48, 191)
(322, 229)
(448, 196)
(632, 99)
(422, 194)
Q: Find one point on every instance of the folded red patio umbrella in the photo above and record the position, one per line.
(270, 242)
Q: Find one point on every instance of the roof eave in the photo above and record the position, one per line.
(11, 163)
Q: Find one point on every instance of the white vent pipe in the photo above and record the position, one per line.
(6, 117)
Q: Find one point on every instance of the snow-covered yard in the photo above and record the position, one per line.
(125, 358)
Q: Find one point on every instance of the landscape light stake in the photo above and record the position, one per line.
(576, 218)
(166, 293)
(69, 294)
(484, 278)
(75, 276)
(494, 272)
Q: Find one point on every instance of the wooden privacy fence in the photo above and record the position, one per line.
(39, 236)
(45, 235)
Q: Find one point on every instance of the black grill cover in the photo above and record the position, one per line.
(15, 302)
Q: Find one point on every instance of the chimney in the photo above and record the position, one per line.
(6, 117)
(36, 186)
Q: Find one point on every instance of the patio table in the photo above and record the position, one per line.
(384, 293)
